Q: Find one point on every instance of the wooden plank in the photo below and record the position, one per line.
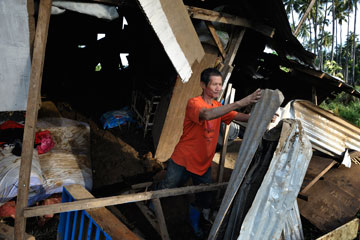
(225, 142)
(102, 216)
(347, 231)
(115, 200)
(31, 115)
(231, 53)
(322, 173)
(31, 12)
(173, 26)
(161, 219)
(233, 48)
(183, 29)
(209, 15)
(334, 200)
(182, 92)
(311, 72)
(108, 2)
(149, 216)
(314, 95)
(7, 233)
(216, 38)
(316, 165)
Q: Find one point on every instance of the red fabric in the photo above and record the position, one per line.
(197, 144)
(10, 124)
(44, 140)
(8, 209)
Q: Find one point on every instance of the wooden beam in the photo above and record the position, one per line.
(31, 115)
(182, 92)
(230, 56)
(347, 231)
(115, 200)
(311, 72)
(102, 216)
(213, 16)
(322, 173)
(31, 19)
(149, 215)
(216, 38)
(172, 25)
(108, 2)
(161, 219)
(225, 140)
(314, 95)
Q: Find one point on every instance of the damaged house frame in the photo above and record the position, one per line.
(250, 26)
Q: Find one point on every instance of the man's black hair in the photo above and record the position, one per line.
(207, 73)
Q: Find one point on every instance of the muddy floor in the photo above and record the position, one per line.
(122, 157)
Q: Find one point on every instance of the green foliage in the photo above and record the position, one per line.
(285, 69)
(345, 107)
(98, 68)
(333, 68)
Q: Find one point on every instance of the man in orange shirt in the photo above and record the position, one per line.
(195, 150)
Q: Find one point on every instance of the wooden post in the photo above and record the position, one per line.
(31, 115)
(307, 187)
(161, 219)
(216, 38)
(233, 48)
(314, 96)
(225, 142)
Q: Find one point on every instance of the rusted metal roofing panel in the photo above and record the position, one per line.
(277, 194)
(327, 132)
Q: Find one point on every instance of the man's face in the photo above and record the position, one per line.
(213, 89)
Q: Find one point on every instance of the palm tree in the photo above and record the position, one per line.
(340, 13)
(304, 16)
(333, 28)
(348, 7)
(354, 44)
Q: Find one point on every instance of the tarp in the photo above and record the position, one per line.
(15, 55)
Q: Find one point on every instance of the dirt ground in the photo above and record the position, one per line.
(122, 157)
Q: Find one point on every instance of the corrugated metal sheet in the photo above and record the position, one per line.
(260, 117)
(293, 227)
(281, 185)
(327, 133)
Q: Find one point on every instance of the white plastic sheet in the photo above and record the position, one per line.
(97, 10)
(9, 175)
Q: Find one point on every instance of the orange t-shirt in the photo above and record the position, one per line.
(197, 145)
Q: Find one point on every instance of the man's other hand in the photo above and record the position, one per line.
(252, 98)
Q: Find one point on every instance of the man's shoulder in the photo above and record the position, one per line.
(195, 100)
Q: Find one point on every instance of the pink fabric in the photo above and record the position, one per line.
(44, 139)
